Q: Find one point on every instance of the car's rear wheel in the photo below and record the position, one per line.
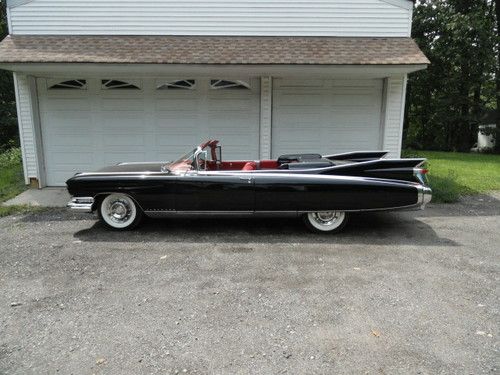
(119, 212)
(326, 222)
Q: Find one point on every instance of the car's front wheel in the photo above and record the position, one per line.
(326, 222)
(120, 212)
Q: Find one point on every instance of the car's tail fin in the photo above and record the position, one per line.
(396, 169)
(358, 156)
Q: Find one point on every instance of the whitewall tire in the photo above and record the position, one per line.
(120, 212)
(326, 222)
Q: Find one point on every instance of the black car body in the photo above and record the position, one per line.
(318, 187)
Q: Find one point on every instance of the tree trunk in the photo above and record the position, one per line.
(460, 132)
(476, 116)
(497, 10)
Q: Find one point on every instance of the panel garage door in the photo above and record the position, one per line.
(326, 116)
(93, 123)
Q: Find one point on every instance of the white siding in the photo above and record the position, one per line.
(26, 126)
(214, 17)
(394, 114)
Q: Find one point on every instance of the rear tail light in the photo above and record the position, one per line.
(421, 175)
(417, 171)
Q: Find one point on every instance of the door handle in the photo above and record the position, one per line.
(249, 179)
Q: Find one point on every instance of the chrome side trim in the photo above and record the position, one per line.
(81, 204)
(424, 196)
(214, 212)
(173, 213)
(143, 162)
(122, 174)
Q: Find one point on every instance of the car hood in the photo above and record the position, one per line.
(132, 167)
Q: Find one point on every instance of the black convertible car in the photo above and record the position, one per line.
(323, 189)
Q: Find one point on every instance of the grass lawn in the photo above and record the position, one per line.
(11, 181)
(453, 174)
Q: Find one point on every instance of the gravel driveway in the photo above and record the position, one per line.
(408, 292)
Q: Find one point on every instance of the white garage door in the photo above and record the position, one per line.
(87, 124)
(326, 116)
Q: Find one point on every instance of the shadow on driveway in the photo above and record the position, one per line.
(370, 228)
(367, 228)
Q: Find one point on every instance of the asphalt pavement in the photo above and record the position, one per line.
(404, 292)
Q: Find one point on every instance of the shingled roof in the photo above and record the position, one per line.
(210, 50)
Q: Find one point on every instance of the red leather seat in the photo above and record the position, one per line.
(250, 166)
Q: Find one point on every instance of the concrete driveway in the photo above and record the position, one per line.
(413, 293)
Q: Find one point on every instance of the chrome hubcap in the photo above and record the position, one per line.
(119, 211)
(326, 218)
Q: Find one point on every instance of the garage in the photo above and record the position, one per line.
(152, 97)
(326, 116)
(89, 123)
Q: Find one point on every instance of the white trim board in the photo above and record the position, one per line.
(266, 113)
(21, 132)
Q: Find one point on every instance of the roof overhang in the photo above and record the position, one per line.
(208, 70)
(186, 53)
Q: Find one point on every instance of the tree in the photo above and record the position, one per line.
(9, 134)
(446, 101)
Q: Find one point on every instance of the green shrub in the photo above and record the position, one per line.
(445, 188)
(10, 157)
(11, 174)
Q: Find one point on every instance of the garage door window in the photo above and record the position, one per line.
(217, 84)
(183, 84)
(113, 84)
(72, 84)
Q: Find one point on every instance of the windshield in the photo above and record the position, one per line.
(187, 158)
(194, 159)
(183, 164)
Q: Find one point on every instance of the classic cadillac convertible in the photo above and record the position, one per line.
(322, 189)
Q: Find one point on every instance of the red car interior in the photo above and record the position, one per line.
(242, 165)
(237, 165)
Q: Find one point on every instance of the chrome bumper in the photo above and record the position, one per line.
(81, 204)
(424, 196)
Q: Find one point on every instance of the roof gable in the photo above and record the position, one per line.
(339, 18)
(405, 4)
(16, 3)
